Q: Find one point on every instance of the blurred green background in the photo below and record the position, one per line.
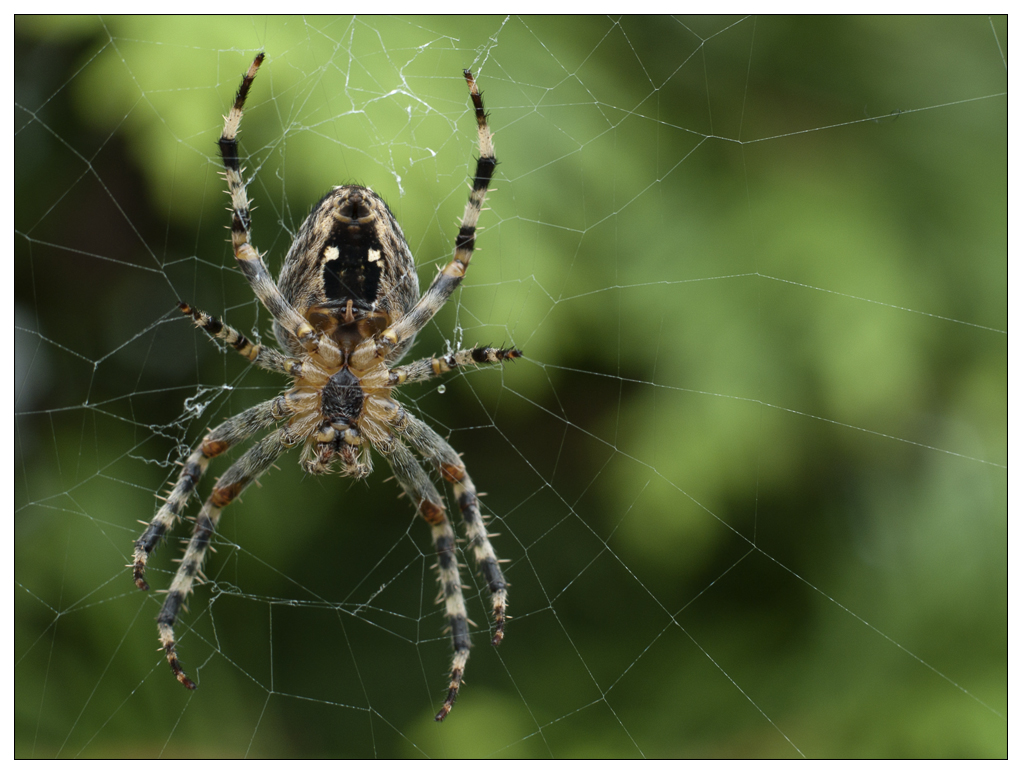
(751, 476)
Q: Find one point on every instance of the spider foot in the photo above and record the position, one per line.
(167, 645)
(179, 672)
(457, 675)
(452, 694)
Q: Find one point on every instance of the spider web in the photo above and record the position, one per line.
(751, 477)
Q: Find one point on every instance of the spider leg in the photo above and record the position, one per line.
(221, 438)
(249, 260)
(430, 367)
(435, 450)
(451, 276)
(420, 489)
(252, 464)
(262, 356)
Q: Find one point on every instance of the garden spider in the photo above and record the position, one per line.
(345, 309)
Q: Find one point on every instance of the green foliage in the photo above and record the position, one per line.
(751, 475)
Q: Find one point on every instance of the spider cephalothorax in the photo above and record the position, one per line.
(345, 309)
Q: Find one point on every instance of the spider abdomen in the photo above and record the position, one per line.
(349, 272)
(352, 255)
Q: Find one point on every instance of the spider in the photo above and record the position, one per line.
(345, 309)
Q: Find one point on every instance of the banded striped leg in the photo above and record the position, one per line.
(262, 356)
(252, 464)
(420, 489)
(441, 454)
(451, 276)
(235, 430)
(430, 367)
(249, 260)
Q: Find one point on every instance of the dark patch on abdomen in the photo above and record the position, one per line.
(351, 275)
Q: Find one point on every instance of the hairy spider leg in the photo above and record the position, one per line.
(441, 455)
(431, 367)
(252, 464)
(259, 354)
(248, 258)
(429, 505)
(451, 276)
(234, 431)
(437, 452)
